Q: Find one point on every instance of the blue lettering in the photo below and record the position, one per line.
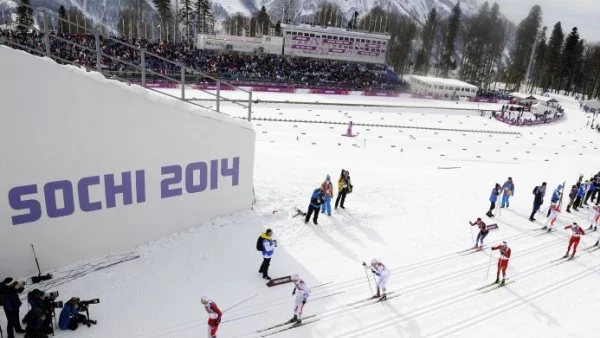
(234, 172)
(16, 202)
(214, 174)
(84, 194)
(112, 190)
(52, 208)
(140, 186)
(190, 174)
(165, 190)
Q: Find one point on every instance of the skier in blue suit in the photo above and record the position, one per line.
(508, 190)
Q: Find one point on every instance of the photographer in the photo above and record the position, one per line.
(45, 303)
(70, 318)
(11, 305)
(36, 320)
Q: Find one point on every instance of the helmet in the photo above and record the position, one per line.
(504, 243)
(204, 299)
(295, 277)
(374, 261)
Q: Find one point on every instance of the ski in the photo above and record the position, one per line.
(486, 286)
(299, 212)
(467, 251)
(368, 299)
(280, 325)
(558, 260)
(593, 248)
(291, 326)
(497, 286)
(564, 260)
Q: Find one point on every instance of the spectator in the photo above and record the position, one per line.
(344, 187)
(316, 200)
(508, 190)
(268, 248)
(493, 199)
(539, 192)
(12, 305)
(572, 196)
(70, 318)
(328, 189)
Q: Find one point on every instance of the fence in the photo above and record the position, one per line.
(95, 51)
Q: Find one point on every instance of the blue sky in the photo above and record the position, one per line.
(583, 14)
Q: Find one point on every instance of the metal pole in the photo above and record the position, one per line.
(143, 65)
(98, 53)
(183, 82)
(46, 33)
(219, 96)
(250, 107)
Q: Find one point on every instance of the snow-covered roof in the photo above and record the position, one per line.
(593, 104)
(334, 30)
(523, 96)
(544, 99)
(441, 81)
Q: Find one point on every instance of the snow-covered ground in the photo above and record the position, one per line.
(414, 192)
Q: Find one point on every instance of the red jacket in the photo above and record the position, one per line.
(214, 314)
(576, 232)
(504, 251)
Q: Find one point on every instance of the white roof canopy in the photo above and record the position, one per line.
(444, 82)
(593, 104)
(523, 96)
(545, 99)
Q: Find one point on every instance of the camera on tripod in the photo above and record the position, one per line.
(85, 303)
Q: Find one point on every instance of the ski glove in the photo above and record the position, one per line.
(294, 292)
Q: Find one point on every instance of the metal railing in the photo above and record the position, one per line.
(48, 37)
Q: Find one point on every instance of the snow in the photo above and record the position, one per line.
(408, 208)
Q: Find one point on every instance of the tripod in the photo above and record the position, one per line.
(88, 320)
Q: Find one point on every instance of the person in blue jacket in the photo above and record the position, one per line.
(580, 194)
(70, 318)
(508, 190)
(316, 199)
(493, 199)
(555, 197)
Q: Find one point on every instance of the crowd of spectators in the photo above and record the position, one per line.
(491, 95)
(262, 68)
(522, 118)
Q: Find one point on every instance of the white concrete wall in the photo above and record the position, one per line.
(66, 135)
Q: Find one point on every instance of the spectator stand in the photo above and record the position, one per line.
(109, 55)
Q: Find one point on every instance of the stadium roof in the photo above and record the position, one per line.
(523, 96)
(441, 81)
(334, 30)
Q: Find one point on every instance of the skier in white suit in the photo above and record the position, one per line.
(302, 292)
(382, 275)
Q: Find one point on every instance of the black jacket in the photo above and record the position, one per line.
(539, 195)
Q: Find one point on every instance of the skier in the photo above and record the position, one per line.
(502, 261)
(483, 231)
(383, 275)
(493, 199)
(328, 189)
(577, 231)
(302, 292)
(508, 190)
(316, 199)
(554, 210)
(555, 198)
(214, 316)
(594, 217)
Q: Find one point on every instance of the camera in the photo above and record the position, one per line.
(57, 305)
(85, 303)
(52, 295)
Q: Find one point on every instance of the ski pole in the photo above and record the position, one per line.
(368, 279)
(242, 302)
(487, 274)
(250, 315)
(471, 228)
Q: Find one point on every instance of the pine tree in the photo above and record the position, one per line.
(163, 7)
(62, 15)
(263, 21)
(552, 60)
(539, 65)
(449, 44)
(204, 15)
(24, 16)
(527, 33)
(278, 28)
(185, 17)
(568, 61)
(428, 35)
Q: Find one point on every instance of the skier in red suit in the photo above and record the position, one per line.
(502, 261)
(214, 316)
(574, 240)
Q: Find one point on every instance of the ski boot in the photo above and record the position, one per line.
(293, 320)
(566, 255)
(384, 297)
(597, 243)
(497, 280)
(572, 256)
(503, 281)
(595, 228)
(544, 227)
(590, 228)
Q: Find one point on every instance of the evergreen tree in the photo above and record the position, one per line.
(428, 35)
(203, 15)
(163, 7)
(328, 14)
(568, 61)
(24, 16)
(527, 32)
(185, 17)
(447, 62)
(539, 66)
(550, 75)
(62, 15)
(278, 28)
(263, 21)
(286, 11)
(133, 19)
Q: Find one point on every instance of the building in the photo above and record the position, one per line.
(523, 99)
(266, 44)
(334, 43)
(438, 88)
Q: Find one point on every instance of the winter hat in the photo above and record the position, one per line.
(295, 276)
(204, 299)
(7, 280)
(327, 178)
(504, 243)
